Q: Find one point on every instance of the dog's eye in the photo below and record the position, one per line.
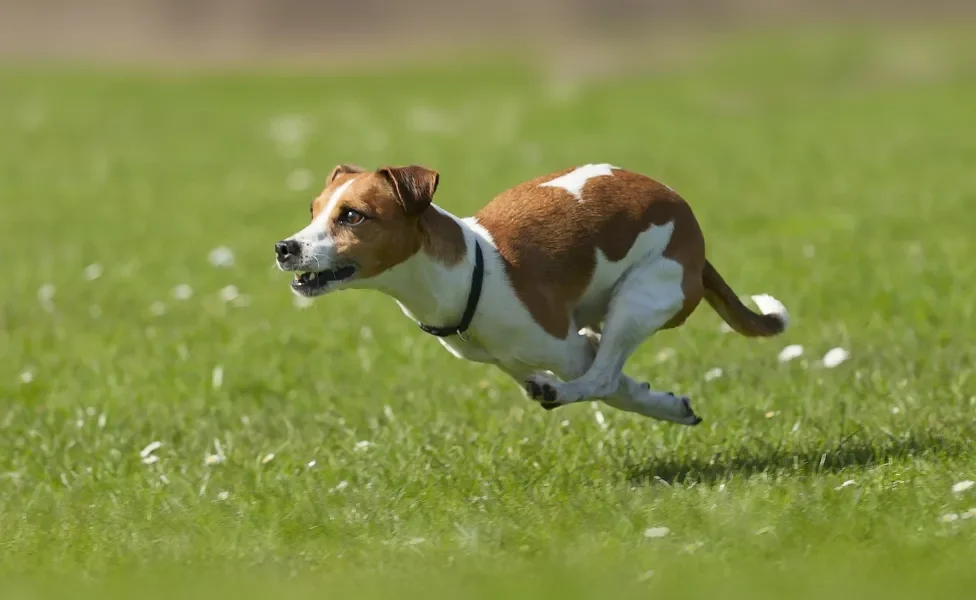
(351, 217)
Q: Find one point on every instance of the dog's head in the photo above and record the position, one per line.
(363, 224)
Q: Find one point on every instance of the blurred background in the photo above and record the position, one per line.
(164, 396)
(199, 31)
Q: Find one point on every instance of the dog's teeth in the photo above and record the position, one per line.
(298, 276)
(311, 276)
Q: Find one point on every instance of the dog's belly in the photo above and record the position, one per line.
(592, 309)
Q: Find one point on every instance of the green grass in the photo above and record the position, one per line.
(837, 173)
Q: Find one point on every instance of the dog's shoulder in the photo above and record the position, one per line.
(577, 209)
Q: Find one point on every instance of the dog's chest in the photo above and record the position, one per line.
(514, 344)
(467, 349)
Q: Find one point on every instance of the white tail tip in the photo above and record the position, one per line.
(771, 306)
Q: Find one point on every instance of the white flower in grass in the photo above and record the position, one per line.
(149, 449)
(665, 354)
(790, 352)
(299, 180)
(962, 486)
(228, 293)
(148, 460)
(310, 464)
(217, 377)
(834, 357)
(949, 518)
(362, 445)
(213, 459)
(713, 374)
(267, 458)
(182, 292)
(969, 514)
(656, 532)
(45, 295)
(847, 483)
(217, 457)
(93, 272)
(221, 257)
(290, 133)
(341, 486)
(26, 376)
(222, 496)
(600, 420)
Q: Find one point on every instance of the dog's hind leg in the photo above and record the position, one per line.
(650, 297)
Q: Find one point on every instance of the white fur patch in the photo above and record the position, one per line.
(317, 245)
(315, 230)
(574, 181)
(596, 298)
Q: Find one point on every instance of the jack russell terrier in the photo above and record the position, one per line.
(556, 281)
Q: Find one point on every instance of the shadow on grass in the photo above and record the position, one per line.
(830, 457)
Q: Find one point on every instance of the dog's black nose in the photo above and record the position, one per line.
(286, 249)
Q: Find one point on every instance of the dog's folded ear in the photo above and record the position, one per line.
(340, 169)
(413, 185)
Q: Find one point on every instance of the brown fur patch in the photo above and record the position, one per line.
(443, 237)
(340, 169)
(391, 234)
(727, 304)
(413, 186)
(548, 239)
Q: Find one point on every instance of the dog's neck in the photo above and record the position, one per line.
(430, 289)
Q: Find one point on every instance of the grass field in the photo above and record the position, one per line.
(335, 447)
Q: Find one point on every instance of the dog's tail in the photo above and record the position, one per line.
(773, 319)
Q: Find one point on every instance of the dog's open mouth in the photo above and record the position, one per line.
(309, 284)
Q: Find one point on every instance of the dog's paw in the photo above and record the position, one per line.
(542, 389)
(688, 416)
(677, 409)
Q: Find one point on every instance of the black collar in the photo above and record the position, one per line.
(473, 296)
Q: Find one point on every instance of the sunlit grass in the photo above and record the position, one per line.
(165, 404)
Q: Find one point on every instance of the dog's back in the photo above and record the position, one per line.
(567, 237)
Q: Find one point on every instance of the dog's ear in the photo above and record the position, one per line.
(413, 185)
(340, 169)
